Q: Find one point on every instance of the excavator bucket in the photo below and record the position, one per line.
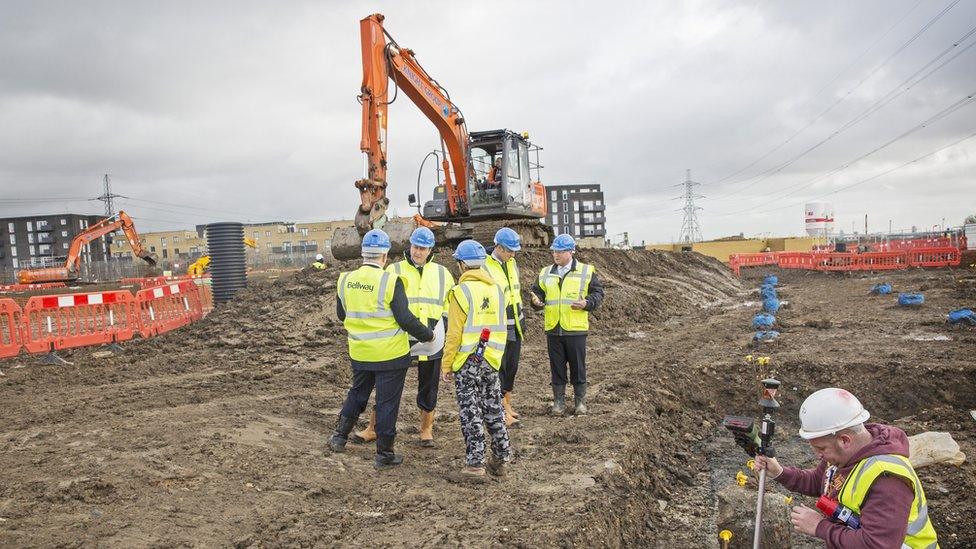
(347, 242)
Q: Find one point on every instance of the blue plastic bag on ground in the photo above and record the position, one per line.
(770, 305)
(766, 335)
(881, 289)
(906, 300)
(771, 280)
(763, 320)
(767, 292)
(962, 316)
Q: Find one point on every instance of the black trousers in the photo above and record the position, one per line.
(510, 363)
(428, 382)
(567, 349)
(389, 389)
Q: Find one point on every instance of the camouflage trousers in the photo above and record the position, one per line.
(479, 398)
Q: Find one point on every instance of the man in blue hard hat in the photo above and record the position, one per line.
(568, 290)
(477, 303)
(503, 269)
(426, 284)
(373, 306)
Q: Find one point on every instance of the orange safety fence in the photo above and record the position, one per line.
(67, 321)
(838, 261)
(28, 287)
(150, 281)
(10, 337)
(165, 308)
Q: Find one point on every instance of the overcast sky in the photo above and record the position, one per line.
(215, 111)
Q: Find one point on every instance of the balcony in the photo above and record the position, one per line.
(600, 208)
(42, 226)
(595, 220)
(45, 238)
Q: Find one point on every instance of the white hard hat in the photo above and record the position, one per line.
(830, 410)
(319, 257)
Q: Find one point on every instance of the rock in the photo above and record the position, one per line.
(662, 505)
(932, 447)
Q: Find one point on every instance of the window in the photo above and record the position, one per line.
(165, 254)
(255, 234)
(44, 249)
(566, 219)
(176, 251)
(81, 223)
(576, 231)
(152, 248)
(176, 240)
(599, 201)
(64, 221)
(162, 240)
(304, 231)
(30, 238)
(33, 250)
(513, 162)
(565, 195)
(16, 263)
(65, 233)
(10, 227)
(286, 245)
(566, 207)
(553, 194)
(30, 226)
(555, 207)
(13, 238)
(576, 217)
(64, 245)
(267, 234)
(13, 253)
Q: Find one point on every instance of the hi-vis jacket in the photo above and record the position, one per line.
(426, 290)
(475, 303)
(507, 276)
(558, 294)
(374, 310)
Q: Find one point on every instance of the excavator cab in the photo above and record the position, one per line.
(505, 180)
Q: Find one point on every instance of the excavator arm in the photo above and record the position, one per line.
(384, 60)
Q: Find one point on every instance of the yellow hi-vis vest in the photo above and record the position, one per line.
(920, 533)
(575, 286)
(484, 306)
(511, 285)
(427, 291)
(374, 335)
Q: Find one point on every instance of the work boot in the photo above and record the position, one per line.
(338, 439)
(473, 472)
(508, 405)
(579, 399)
(368, 434)
(511, 419)
(386, 458)
(497, 467)
(558, 400)
(427, 428)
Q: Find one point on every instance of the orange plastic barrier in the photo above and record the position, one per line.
(29, 287)
(66, 321)
(10, 337)
(152, 281)
(832, 261)
(165, 308)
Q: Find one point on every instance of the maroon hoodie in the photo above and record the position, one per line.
(885, 510)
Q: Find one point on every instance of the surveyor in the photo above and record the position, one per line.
(503, 269)
(477, 303)
(373, 306)
(427, 284)
(863, 467)
(568, 291)
(319, 262)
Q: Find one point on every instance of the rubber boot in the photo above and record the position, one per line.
(427, 428)
(558, 400)
(338, 439)
(510, 408)
(511, 420)
(579, 399)
(368, 434)
(386, 458)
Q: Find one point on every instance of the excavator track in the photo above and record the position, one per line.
(346, 242)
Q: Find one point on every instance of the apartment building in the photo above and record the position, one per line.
(578, 210)
(44, 240)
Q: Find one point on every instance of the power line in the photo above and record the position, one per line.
(765, 174)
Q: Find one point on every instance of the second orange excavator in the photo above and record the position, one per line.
(70, 271)
(491, 178)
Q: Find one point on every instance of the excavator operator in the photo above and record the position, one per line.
(495, 173)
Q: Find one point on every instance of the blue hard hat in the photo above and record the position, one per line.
(470, 251)
(423, 237)
(563, 243)
(376, 241)
(509, 239)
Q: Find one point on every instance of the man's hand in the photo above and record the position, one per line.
(536, 301)
(579, 305)
(805, 520)
(447, 377)
(772, 467)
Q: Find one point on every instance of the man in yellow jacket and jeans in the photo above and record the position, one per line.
(477, 304)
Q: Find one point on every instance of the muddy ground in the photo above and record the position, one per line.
(215, 435)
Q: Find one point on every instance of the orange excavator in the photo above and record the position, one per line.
(70, 271)
(490, 178)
